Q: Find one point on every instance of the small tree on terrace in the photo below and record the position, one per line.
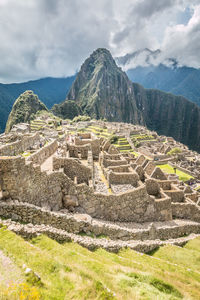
(174, 151)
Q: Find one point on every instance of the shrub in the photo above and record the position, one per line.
(81, 119)
(174, 151)
(113, 139)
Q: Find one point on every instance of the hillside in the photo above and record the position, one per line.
(66, 110)
(24, 108)
(69, 271)
(49, 90)
(148, 68)
(103, 90)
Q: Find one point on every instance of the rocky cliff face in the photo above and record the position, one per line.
(24, 108)
(103, 90)
(170, 115)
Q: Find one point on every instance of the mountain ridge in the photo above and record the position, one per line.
(104, 92)
(24, 109)
(152, 70)
(49, 90)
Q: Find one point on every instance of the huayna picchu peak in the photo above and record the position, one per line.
(103, 90)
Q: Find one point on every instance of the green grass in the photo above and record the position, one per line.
(26, 154)
(188, 256)
(170, 170)
(69, 271)
(140, 137)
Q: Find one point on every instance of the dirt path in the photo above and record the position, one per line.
(9, 272)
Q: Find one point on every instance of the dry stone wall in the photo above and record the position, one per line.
(123, 178)
(135, 205)
(79, 223)
(22, 181)
(43, 153)
(25, 143)
(73, 168)
(186, 211)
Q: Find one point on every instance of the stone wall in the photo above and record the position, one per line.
(119, 169)
(84, 135)
(73, 168)
(21, 180)
(43, 153)
(15, 148)
(188, 211)
(74, 150)
(149, 168)
(95, 145)
(175, 195)
(50, 223)
(77, 223)
(123, 178)
(163, 209)
(132, 206)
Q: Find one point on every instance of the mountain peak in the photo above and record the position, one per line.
(101, 87)
(101, 57)
(26, 105)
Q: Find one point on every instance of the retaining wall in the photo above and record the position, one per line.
(23, 181)
(186, 211)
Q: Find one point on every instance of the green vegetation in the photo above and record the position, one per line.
(142, 137)
(69, 271)
(174, 151)
(170, 170)
(81, 119)
(66, 110)
(113, 139)
(26, 154)
(24, 109)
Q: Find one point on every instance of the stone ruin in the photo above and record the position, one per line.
(83, 184)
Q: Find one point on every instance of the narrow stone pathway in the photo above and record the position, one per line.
(101, 184)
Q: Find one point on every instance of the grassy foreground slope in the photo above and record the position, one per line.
(69, 271)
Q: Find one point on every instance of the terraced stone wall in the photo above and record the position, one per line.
(20, 146)
(186, 211)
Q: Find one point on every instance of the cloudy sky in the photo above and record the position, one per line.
(41, 38)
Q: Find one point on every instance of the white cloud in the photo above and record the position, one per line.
(53, 37)
(183, 42)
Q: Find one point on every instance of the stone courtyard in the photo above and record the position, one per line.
(76, 184)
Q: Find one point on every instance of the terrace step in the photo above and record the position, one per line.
(30, 231)
(77, 223)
